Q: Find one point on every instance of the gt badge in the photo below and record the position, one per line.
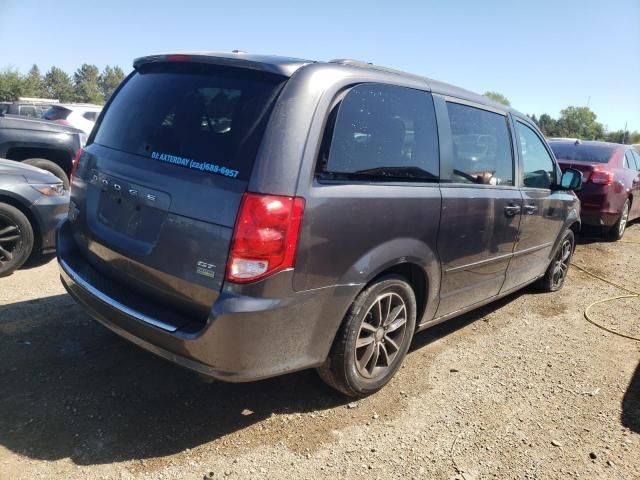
(206, 269)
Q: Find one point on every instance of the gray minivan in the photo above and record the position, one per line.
(247, 216)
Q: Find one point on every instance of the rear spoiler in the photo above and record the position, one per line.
(264, 63)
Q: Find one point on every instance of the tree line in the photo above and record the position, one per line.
(89, 85)
(86, 85)
(575, 122)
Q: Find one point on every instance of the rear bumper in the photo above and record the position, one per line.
(598, 218)
(601, 204)
(245, 337)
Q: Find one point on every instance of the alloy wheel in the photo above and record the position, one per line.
(381, 335)
(624, 218)
(10, 240)
(562, 263)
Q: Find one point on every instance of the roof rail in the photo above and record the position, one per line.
(361, 64)
(350, 61)
(38, 100)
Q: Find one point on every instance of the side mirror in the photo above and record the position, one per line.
(571, 180)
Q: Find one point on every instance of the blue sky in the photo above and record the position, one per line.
(543, 55)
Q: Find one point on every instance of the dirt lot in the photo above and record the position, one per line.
(525, 388)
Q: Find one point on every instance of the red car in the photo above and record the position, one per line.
(610, 192)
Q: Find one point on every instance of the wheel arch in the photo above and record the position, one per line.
(411, 258)
(60, 157)
(16, 203)
(416, 277)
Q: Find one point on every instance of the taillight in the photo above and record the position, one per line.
(62, 121)
(265, 237)
(585, 176)
(601, 177)
(74, 164)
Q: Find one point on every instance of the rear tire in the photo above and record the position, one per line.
(51, 167)
(556, 274)
(373, 340)
(16, 239)
(617, 231)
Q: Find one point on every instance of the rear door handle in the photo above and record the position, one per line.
(530, 209)
(512, 210)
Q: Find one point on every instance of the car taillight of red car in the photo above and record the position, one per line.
(601, 177)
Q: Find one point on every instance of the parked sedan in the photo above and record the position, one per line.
(33, 202)
(610, 192)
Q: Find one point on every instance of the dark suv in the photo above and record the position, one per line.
(248, 216)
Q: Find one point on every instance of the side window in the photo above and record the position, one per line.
(629, 162)
(636, 156)
(91, 116)
(482, 152)
(382, 132)
(538, 169)
(27, 110)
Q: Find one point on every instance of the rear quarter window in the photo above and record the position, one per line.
(91, 116)
(384, 133)
(201, 117)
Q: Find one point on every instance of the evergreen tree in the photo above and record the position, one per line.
(33, 84)
(10, 85)
(86, 87)
(498, 97)
(109, 80)
(58, 85)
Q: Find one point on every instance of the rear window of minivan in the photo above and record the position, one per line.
(201, 117)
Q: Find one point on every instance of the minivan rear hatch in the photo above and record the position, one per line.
(158, 187)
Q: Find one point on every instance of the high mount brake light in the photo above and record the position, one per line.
(265, 237)
(178, 58)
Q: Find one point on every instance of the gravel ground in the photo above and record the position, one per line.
(524, 388)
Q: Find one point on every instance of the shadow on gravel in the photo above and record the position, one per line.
(38, 261)
(71, 388)
(631, 403)
(449, 326)
(591, 234)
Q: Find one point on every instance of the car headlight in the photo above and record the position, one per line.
(50, 190)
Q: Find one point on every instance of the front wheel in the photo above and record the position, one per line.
(556, 274)
(373, 339)
(16, 239)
